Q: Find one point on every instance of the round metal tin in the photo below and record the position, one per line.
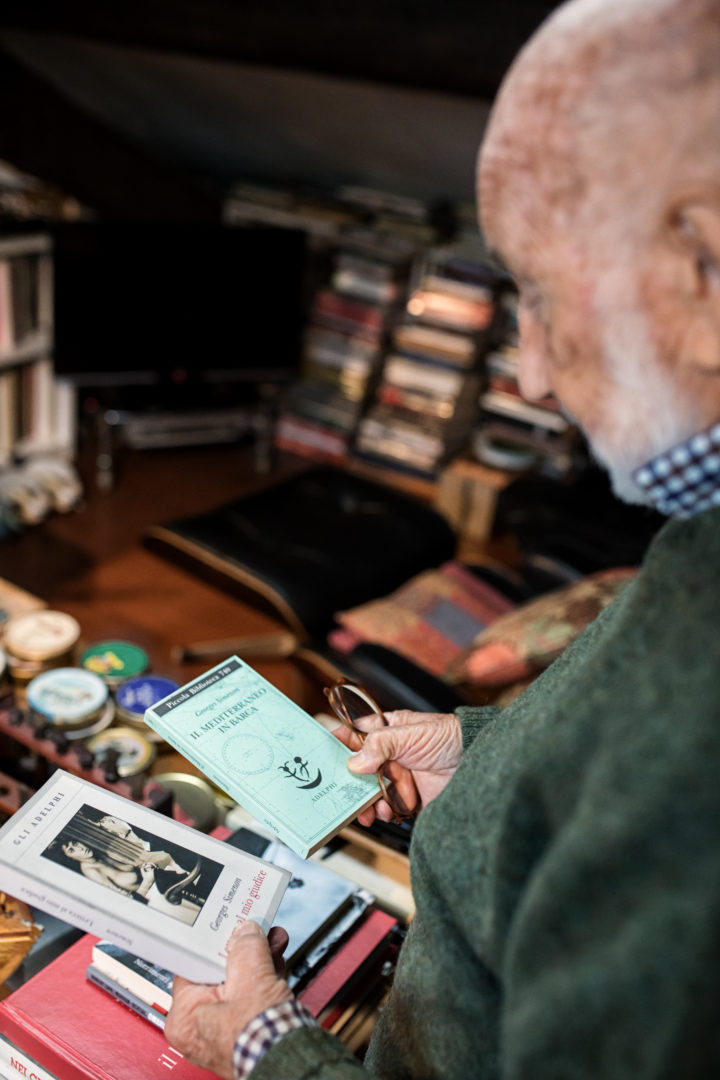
(39, 636)
(103, 721)
(194, 795)
(115, 661)
(135, 753)
(136, 695)
(69, 697)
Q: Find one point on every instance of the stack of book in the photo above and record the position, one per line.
(25, 339)
(320, 213)
(61, 1026)
(408, 222)
(513, 433)
(427, 396)
(344, 345)
(98, 1011)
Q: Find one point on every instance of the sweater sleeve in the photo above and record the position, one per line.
(309, 1052)
(474, 719)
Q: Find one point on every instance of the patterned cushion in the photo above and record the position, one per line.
(519, 645)
(431, 619)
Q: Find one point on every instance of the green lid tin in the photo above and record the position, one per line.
(115, 661)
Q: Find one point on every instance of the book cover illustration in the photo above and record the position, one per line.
(319, 909)
(266, 752)
(117, 869)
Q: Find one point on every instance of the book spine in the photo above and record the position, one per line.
(15, 1062)
(125, 997)
(149, 982)
(59, 1061)
(345, 963)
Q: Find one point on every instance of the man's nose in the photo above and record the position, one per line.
(533, 367)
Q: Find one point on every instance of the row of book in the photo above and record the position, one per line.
(95, 1010)
(392, 365)
(512, 433)
(20, 308)
(24, 334)
(37, 413)
(426, 398)
(349, 213)
(343, 347)
(411, 292)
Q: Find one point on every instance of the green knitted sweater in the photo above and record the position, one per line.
(567, 881)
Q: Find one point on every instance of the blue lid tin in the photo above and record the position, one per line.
(136, 695)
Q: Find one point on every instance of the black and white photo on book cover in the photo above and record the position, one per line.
(119, 870)
(152, 870)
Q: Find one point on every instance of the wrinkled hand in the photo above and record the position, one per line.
(204, 1021)
(429, 744)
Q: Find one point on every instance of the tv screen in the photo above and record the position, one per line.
(139, 304)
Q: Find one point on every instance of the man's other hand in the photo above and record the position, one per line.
(428, 744)
(204, 1021)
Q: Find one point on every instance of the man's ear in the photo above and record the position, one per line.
(693, 224)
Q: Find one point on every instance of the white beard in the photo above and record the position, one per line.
(645, 412)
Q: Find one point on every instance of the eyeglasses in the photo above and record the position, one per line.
(361, 715)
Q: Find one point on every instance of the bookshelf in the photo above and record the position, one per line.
(37, 411)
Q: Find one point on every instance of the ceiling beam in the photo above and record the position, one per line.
(45, 135)
(455, 47)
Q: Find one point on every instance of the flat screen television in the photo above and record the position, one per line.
(185, 306)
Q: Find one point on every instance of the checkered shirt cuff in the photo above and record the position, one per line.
(265, 1030)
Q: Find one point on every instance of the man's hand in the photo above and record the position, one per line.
(429, 744)
(204, 1021)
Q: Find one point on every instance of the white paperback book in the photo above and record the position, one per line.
(124, 872)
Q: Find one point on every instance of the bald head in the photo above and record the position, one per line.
(610, 105)
(599, 184)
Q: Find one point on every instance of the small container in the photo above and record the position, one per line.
(135, 753)
(194, 796)
(115, 661)
(39, 641)
(133, 697)
(74, 701)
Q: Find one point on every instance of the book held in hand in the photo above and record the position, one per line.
(266, 752)
(319, 910)
(123, 872)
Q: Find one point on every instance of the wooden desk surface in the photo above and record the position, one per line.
(92, 563)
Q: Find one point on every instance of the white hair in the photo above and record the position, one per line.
(645, 411)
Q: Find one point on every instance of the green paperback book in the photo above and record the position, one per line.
(267, 753)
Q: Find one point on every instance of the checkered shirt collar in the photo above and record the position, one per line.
(685, 479)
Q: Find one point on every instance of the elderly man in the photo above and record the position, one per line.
(566, 862)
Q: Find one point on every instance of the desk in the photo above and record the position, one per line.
(93, 565)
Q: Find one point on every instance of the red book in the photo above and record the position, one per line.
(350, 959)
(79, 1032)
